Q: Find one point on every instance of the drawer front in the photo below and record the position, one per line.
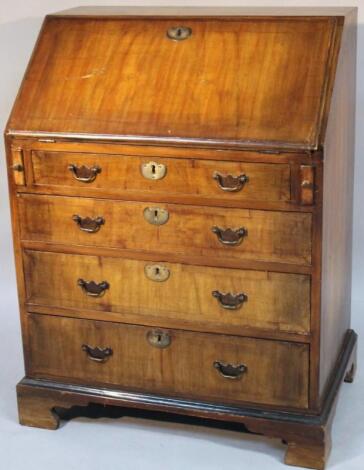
(165, 291)
(189, 364)
(124, 174)
(283, 237)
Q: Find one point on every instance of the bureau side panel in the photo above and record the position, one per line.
(337, 207)
(17, 180)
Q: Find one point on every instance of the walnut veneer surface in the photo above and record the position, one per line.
(181, 195)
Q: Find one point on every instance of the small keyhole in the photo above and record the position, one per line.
(153, 169)
(157, 271)
(156, 214)
(159, 338)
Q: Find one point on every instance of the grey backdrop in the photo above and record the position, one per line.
(141, 444)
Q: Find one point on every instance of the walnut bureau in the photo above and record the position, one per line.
(181, 195)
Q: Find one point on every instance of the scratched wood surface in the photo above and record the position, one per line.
(275, 301)
(247, 80)
(276, 371)
(270, 96)
(122, 174)
(270, 236)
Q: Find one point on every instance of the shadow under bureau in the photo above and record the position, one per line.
(181, 195)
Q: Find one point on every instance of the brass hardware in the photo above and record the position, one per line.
(157, 272)
(230, 183)
(159, 339)
(229, 236)
(87, 224)
(156, 215)
(18, 167)
(230, 371)
(179, 33)
(97, 354)
(153, 170)
(307, 183)
(93, 289)
(230, 301)
(84, 173)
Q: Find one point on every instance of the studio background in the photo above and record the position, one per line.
(140, 444)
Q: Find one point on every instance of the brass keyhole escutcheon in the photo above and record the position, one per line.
(156, 215)
(157, 272)
(153, 170)
(159, 339)
(179, 33)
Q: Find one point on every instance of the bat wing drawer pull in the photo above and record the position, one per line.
(93, 289)
(230, 371)
(87, 224)
(84, 173)
(230, 301)
(230, 183)
(229, 236)
(97, 354)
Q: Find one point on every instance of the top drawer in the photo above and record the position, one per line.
(225, 181)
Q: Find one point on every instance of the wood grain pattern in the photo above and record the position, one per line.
(266, 94)
(110, 147)
(308, 456)
(338, 207)
(202, 11)
(275, 301)
(272, 236)
(307, 435)
(121, 175)
(17, 166)
(276, 371)
(253, 80)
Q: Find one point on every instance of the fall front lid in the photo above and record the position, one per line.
(242, 81)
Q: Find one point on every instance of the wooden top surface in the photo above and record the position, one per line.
(236, 82)
(203, 11)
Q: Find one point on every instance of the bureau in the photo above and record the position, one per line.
(181, 194)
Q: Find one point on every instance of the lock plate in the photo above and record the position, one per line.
(179, 33)
(153, 170)
(156, 215)
(158, 339)
(157, 272)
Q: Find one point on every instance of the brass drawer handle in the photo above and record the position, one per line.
(230, 371)
(179, 33)
(230, 236)
(159, 339)
(97, 354)
(93, 289)
(157, 272)
(87, 224)
(230, 183)
(153, 170)
(84, 173)
(156, 215)
(230, 301)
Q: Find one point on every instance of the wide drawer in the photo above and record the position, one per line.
(238, 234)
(187, 295)
(127, 174)
(205, 366)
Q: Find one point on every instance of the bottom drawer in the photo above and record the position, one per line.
(180, 363)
